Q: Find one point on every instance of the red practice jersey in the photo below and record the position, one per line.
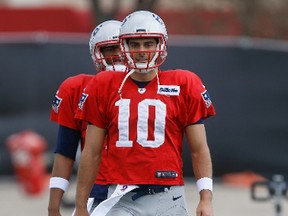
(64, 108)
(145, 125)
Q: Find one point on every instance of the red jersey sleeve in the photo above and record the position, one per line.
(62, 110)
(91, 104)
(199, 103)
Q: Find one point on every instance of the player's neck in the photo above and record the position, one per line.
(144, 76)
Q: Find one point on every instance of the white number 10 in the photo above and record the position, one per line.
(142, 123)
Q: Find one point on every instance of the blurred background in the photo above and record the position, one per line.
(238, 47)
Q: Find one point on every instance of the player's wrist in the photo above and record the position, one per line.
(204, 183)
(53, 211)
(206, 196)
(58, 182)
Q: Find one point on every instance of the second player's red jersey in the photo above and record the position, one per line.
(64, 108)
(145, 125)
(66, 102)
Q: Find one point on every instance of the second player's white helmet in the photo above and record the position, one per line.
(105, 34)
(143, 24)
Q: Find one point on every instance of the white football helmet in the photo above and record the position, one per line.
(105, 34)
(143, 24)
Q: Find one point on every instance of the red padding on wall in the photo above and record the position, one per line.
(45, 19)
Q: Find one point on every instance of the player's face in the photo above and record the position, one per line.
(111, 54)
(141, 49)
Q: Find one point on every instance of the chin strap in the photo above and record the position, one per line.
(116, 67)
(158, 80)
(123, 82)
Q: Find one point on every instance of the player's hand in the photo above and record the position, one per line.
(204, 207)
(54, 212)
(81, 212)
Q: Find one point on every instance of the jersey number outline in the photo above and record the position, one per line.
(142, 123)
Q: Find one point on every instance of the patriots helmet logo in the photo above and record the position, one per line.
(206, 97)
(82, 100)
(56, 103)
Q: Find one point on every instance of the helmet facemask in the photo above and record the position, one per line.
(111, 62)
(151, 59)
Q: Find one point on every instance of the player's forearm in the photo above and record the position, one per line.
(200, 154)
(202, 164)
(89, 164)
(202, 167)
(55, 198)
(201, 160)
(62, 167)
(87, 172)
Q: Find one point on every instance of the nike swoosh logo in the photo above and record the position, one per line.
(176, 198)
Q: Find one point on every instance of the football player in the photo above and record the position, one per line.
(104, 49)
(144, 114)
